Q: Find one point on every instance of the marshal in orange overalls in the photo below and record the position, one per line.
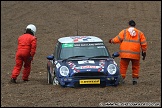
(131, 41)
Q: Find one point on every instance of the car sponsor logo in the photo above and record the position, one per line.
(67, 45)
(88, 67)
(98, 44)
(86, 61)
(89, 81)
(85, 67)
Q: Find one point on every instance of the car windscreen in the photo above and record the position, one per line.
(83, 49)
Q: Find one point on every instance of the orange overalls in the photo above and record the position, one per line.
(130, 48)
(26, 49)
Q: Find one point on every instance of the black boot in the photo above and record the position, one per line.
(13, 80)
(26, 80)
(134, 81)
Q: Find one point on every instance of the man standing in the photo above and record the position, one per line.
(25, 52)
(131, 41)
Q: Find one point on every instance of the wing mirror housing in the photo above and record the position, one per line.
(50, 57)
(115, 54)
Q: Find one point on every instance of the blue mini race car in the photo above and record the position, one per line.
(82, 60)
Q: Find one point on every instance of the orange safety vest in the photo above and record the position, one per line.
(130, 46)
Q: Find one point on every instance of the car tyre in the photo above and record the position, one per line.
(121, 80)
(49, 76)
(103, 84)
(55, 81)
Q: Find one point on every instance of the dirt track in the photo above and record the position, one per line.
(55, 19)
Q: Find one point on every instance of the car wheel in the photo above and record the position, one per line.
(55, 81)
(49, 76)
(76, 85)
(103, 84)
(120, 80)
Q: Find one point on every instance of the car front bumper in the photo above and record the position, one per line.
(102, 80)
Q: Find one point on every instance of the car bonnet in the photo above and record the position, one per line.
(88, 65)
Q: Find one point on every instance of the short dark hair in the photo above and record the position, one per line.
(132, 23)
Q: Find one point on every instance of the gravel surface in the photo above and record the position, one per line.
(55, 19)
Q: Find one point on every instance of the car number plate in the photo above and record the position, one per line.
(90, 81)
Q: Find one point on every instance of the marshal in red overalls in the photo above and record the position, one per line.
(25, 52)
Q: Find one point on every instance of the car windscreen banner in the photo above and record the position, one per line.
(81, 44)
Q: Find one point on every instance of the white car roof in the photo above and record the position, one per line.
(79, 39)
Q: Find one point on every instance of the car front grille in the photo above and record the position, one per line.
(89, 74)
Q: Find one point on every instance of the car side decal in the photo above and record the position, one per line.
(58, 65)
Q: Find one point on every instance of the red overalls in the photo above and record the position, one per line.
(26, 49)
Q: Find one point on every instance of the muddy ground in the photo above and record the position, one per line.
(55, 19)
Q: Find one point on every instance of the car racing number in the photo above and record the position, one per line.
(89, 81)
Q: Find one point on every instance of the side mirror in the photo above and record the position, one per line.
(115, 54)
(50, 57)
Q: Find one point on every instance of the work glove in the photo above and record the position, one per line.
(30, 58)
(144, 55)
(110, 40)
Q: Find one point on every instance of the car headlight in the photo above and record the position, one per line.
(64, 71)
(111, 69)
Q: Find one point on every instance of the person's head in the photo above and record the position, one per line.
(132, 23)
(31, 29)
